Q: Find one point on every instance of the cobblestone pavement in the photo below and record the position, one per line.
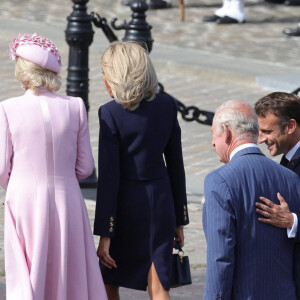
(201, 64)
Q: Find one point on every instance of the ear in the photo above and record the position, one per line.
(227, 133)
(291, 126)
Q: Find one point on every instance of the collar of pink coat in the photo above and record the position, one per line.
(41, 91)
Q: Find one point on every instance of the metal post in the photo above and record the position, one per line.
(79, 36)
(137, 29)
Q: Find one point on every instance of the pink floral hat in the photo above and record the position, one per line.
(36, 49)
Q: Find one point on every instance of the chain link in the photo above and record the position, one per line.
(297, 91)
(191, 113)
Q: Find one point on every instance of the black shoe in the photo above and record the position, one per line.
(212, 18)
(227, 20)
(158, 4)
(275, 1)
(292, 2)
(126, 2)
(292, 31)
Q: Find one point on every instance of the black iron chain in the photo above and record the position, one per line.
(297, 91)
(191, 113)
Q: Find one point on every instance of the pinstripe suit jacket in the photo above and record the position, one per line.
(247, 259)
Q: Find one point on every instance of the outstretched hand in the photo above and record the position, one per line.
(103, 253)
(277, 215)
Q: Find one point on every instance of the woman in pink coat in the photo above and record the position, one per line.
(44, 151)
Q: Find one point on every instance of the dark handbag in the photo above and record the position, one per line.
(181, 273)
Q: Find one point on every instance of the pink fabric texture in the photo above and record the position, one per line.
(36, 49)
(49, 248)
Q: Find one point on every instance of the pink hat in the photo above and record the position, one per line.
(36, 49)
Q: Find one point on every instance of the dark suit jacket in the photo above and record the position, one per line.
(247, 259)
(139, 145)
(294, 165)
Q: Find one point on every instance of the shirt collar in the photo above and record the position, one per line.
(241, 147)
(291, 153)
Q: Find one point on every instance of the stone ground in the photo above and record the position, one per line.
(201, 64)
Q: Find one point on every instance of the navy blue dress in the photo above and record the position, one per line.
(141, 195)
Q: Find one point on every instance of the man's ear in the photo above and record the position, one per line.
(228, 134)
(291, 126)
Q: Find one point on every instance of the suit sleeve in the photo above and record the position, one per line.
(6, 149)
(296, 265)
(220, 232)
(174, 162)
(84, 162)
(108, 176)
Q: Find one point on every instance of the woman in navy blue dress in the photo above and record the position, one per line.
(141, 198)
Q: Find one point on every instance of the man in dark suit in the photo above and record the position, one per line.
(279, 128)
(245, 258)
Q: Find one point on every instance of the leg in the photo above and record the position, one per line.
(112, 292)
(219, 13)
(237, 10)
(155, 289)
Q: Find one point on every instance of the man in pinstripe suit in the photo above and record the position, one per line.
(246, 259)
(279, 128)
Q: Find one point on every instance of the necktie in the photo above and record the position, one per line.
(284, 161)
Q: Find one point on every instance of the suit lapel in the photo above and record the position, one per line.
(295, 161)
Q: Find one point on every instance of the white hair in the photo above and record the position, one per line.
(240, 117)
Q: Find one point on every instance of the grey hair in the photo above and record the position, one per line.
(129, 73)
(240, 117)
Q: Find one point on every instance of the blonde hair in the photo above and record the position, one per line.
(129, 73)
(31, 76)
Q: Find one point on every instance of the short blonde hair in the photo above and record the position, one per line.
(32, 76)
(129, 73)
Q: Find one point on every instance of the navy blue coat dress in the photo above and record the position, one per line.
(141, 195)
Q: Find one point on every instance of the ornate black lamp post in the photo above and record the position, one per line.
(79, 36)
(137, 29)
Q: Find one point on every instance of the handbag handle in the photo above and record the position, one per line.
(180, 251)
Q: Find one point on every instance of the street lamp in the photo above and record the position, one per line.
(79, 36)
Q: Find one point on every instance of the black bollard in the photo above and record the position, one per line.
(79, 36)
(137, 29)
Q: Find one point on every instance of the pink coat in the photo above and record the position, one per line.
(44, 151)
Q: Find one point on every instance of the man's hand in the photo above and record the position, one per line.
(103, 253)
(277, 215)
